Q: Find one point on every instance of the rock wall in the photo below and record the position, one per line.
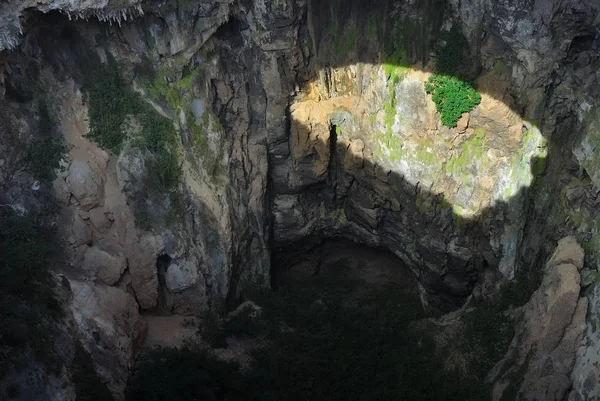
(539, 362)
(308, 132)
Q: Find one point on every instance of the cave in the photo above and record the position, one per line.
(322, 199)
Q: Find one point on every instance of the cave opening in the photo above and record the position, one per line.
(342, 263)
(162, 262)
(344, 322)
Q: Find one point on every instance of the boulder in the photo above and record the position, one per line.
(85, 185)
(61, 191)
(181, 275)
(142, 252)
(105, 267)
(99, 219)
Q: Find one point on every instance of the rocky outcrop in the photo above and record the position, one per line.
(110, 329)
(539, 362)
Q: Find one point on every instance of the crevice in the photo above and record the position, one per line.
(332, 166)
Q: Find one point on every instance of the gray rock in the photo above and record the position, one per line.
(109, 323)
(81, 234)
(61, 190)
(85, 185)
(99, 219)
(550, 331)
(106, 267)
(181, 275)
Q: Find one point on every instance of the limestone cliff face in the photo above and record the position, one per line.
(292, 129)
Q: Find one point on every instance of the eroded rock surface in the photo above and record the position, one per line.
(539, 363)
(111, 330)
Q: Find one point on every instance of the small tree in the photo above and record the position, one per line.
(452, 97)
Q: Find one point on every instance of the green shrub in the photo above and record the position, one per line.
(324, 343)
(43, 156)
(27, 303)
(452, 97)
(188, 374)
(451, 57)
(518, 292)
(158, 133)
(163, 172)
(110, 101)
(215, 330)
(211, 329)
(245, 322)
(488, 331)
(88, 386)
(26, 244)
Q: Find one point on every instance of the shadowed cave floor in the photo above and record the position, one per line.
(344, 323)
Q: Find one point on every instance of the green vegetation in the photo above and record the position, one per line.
(334, 38)
(166, 85)
(425, 152)
(165, 171)
(215, 330)
(452, 97)
(392, 142)
(517, 292)
(311, 355)
(372, 27)
(27, 301)
(511, 392)
(528, 163)
(488, 330)
(307, 352)
(451, 93)
(486, 337)
(188, 374)
(394, 44)
(351, 37)
(395, 65)
(451, 57)
(43, 156)
(112, 103)
(26, 246)
(177, 93)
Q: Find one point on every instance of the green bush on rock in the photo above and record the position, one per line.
(113, 106)
(110, 101)
(452, 97)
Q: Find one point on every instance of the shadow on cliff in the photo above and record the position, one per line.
(414, 34)
(357, 199)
